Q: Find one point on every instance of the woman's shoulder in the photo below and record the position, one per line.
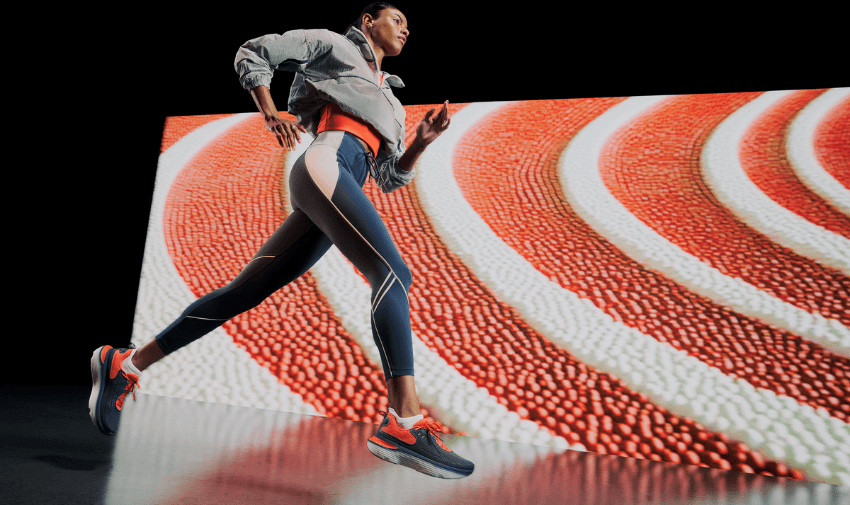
(320, 35)
(324, 41)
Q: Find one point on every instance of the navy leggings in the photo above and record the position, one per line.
(329, 207)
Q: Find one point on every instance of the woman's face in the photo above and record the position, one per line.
(388, 31)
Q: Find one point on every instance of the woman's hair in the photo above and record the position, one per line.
(373, 9)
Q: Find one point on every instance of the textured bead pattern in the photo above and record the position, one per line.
(580, 279)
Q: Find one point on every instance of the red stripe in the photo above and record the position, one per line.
(653, 168)
(180, 126)
(763, 157)
(515, 188)
(489, 343)
(832, 142)
(221, 208)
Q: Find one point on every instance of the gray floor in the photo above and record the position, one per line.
(172, 451)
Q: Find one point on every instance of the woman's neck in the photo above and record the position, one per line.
(378, 52)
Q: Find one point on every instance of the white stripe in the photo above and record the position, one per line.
(381, 340)
(801, 150)
(212, 368)
(379, 295)
(779, 427)
(725, 176)
(455, 400)
(258, 257)
(591, 199)
(378, 301)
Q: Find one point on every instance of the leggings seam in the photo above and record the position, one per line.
(389, 267)
(382, 292)
(381, 340)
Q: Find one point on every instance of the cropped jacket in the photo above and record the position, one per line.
(330, 67)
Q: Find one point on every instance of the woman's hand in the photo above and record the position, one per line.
(285, 131)
(433, 125)
(428, 130)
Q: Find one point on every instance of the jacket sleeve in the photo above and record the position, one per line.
(258, 58)
(391, 175)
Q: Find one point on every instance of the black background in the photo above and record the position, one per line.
(90, 90)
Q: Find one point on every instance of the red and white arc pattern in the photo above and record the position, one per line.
(613, 275)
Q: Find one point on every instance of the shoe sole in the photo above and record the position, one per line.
(98, 381)
(401, 457)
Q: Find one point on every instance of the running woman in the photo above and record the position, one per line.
(340, 96)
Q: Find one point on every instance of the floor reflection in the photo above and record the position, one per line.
(172, 451)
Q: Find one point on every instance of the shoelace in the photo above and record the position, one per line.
(432, 428)
(132, 382)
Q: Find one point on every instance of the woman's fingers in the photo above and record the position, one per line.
(444, 119)
(282, 135)
(277, 134)
(288, 133)
(290, 137)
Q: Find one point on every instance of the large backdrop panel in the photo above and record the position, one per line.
(658, 277)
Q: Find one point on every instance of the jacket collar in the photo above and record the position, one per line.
(368, 53)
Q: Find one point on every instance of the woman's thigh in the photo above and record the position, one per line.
(323, 187)
(291, 250)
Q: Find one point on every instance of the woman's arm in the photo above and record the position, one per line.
(285, 131)
(256, 61)
(428, 130)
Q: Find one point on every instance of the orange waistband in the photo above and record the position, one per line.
(334, 118)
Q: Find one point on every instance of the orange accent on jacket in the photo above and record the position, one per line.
(334, 118)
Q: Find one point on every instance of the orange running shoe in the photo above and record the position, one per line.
(418, 448)
(109, 387)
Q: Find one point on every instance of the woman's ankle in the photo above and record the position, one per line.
(147, 355)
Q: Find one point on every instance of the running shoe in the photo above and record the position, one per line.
(418, 448)
(109, 387)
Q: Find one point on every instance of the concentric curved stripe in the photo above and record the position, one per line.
(819, 147)
(583, 184)
(213, 368)
(481, 365)
(729, 183)
(513, 188)
(178, 127)
(670, 378)
(654, 166)
(762, 154)
(662, 187)
(489, 343)
(452, 398)
(225, 206)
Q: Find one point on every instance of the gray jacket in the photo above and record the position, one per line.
(330, 67)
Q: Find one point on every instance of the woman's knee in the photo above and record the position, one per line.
(405, 276)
